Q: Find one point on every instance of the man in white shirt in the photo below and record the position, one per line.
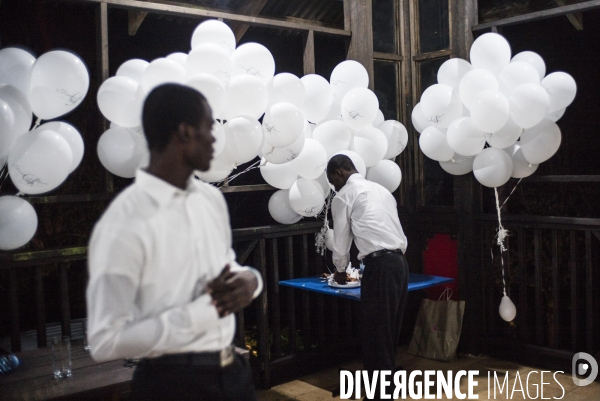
(366, 212)
(164, 283)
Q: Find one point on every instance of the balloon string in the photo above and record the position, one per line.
(19, 193)
(3, 172)
(231, 178)
(37, 123)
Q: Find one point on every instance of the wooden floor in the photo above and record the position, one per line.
(318, 386)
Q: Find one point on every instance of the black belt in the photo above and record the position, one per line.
(382, 252)
(213, 359)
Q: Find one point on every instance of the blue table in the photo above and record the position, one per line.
(317, 284)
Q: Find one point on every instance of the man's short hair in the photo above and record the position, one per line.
(166, 107)
(342, 162)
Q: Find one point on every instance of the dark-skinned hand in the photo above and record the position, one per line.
(232, 291)
(340, 277)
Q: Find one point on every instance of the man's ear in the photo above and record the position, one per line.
(184, 132)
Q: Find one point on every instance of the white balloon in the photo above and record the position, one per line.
(15, 68)
(371, 144)
(521, 167)
(528, 105)
(318, 97)
(312, 161)
(246, 96)
(507, 309)
(557, 115)
(18, 222)
(505, 136)
(121, 151)
(15, 116)
(214, 32)
(335, 113)
(541, 142)
(286, 87)
(218, 132)
(440, 105)
(72, 136)
(120, 100)
(255, 60)
(306, 197)
(39, 162)
(358, 161)
(334, 135)
(433, 144)
(212, 89)
(534, 59)
(452, 72)
(180, 57)
(133, 69)
(491, 52)
(492, 167)
(162, 71)
(59, 82)
(329, 239)
(516, 74)
(211, 59)
(490, 110)
(464, 137)
(419, 120)
(379, 119)
(347, 75)
(359, 108)
(458, 165)
(280, 209)
(324, 183)
(280, 176)
(561, 88)
(396, 135)
(308, 129)
(476, 81)
(283, 155)
(244, 138)
(283, 124)
(220, 168)
(387, 174)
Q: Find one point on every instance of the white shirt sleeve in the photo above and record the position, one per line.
(342, 239)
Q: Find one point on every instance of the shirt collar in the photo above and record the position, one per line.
(158, 189)
(350, 179)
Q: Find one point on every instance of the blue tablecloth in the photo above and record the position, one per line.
(316, 284)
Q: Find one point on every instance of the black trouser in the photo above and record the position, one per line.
(190, 382)
(383, 296)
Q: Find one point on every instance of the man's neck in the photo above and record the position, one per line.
(169, 169)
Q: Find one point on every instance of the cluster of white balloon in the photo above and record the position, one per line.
(507, 103)
(40, 159)
(305, 120)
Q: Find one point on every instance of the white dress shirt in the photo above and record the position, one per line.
(365, 212)
(150, 257)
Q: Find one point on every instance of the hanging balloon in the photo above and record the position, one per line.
(162, 71)
(440, 105)
(464, 137)
(505, 136)
(121, 151)
(335, 113)
(59, 82)
(220, 168)
(214, 32)
(490, 110)
(433, 144)
(39, 162)
(283, 155)
(120, 100)
(371, 144)
(557, 115)
(452, 72)
(280, 209)
(212, 89)
(528, 105)
(346, 76)
(387, 174)
(180, 57)
(324, 183)
(318, 98)
(492, 167)
(397, 137)
(358, 161)
(334, 135)
(308, 129)
(312, 161)
(491, 52)
(18, 222)
(507, 309)
(516, 74)
(359, 108)
(540, 142)
(15, 68)
(306, 197)
(133, 69)
(458, 165)
(534, 59)
(561, 88)
(246, 96)
(219, 134)
(244, 138)
(419, 120)
(280, 176)
(210, 59)
(521, 167)
(72, 136)
(283, 124)
(286, 87)
(475, 81)
(255, 60)
(329, 239)
(15, 116)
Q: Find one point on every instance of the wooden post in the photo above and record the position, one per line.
(42, 341)
(358, 17)
(15, 326)
(263, 318)
(309, 53)
(102, 58)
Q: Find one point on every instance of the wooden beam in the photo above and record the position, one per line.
(247, 188)
(563, 178)
(387, 56)
(576, 19)
(359, 15)
(309, 53)
(539, 15)
(251, 8)
(433, 55)
(191, 11)
(135, 21)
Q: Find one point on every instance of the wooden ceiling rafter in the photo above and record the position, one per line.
(576, 19)
(251, 8)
